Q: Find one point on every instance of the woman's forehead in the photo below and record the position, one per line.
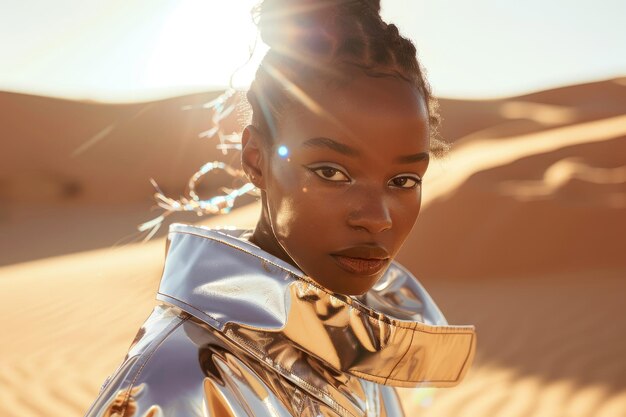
(367, 108)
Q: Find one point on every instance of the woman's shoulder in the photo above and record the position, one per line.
(123, 389)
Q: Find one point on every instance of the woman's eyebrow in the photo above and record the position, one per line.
(323, 142)
(409, 159)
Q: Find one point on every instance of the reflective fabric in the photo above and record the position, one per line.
(242, 333)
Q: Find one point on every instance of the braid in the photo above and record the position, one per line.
(315, 38)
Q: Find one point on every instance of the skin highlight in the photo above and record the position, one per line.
(350, 179)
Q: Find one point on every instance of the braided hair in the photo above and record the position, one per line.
(322, 38)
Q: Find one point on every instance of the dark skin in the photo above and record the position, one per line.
(344, 172)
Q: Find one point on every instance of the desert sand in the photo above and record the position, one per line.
(521, 234)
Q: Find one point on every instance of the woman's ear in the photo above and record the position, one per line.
(252, 156)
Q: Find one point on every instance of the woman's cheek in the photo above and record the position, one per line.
(288, 203)
(284, 214)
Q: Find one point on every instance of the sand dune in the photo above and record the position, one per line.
(510, 117)
(77, 168)
(472, 205)
(83, 148)
(521, 233)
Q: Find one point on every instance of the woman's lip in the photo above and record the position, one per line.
(359, 265)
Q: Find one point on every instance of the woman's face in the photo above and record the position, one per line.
(342, 180)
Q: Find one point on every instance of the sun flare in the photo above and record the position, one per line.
(218, 36)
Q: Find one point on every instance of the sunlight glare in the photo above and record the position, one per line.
(217, 34)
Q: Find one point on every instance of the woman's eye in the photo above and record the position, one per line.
(331, 174)
(405, 182)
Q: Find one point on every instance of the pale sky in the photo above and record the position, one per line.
(113, 50)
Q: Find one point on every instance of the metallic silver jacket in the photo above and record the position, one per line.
(241, 333)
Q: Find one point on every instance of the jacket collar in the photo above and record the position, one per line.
(393, 335)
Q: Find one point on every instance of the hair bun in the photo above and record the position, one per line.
(287, 24)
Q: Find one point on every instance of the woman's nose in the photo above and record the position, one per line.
(372, 215)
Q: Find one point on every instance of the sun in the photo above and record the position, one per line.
(201, 44)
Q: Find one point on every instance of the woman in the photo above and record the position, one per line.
(308, 314)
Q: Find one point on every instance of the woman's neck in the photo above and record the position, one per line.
(263, 236)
